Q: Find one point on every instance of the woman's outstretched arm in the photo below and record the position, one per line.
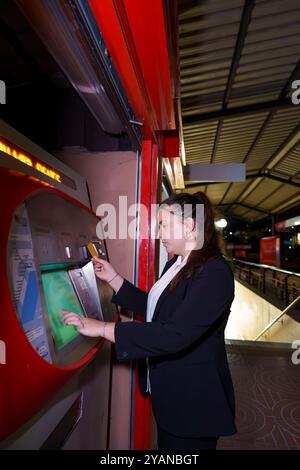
(208, 300)
(89, 326)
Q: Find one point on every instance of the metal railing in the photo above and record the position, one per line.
(283, 284)
(289, 307)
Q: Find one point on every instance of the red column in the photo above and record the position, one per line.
(149, 172)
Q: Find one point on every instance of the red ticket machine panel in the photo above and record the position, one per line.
(46, 267)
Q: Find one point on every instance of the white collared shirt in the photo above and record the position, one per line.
(155, 292)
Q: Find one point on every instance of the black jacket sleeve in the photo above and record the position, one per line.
(133, 298)
(209, 295)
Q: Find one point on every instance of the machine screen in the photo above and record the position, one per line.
(59, 293)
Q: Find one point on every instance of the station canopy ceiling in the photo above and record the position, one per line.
(238, 60)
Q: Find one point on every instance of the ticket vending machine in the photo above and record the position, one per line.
(45, 267)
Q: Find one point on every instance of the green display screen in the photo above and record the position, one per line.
(59, 293)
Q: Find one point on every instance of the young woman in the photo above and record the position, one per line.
(181, 340)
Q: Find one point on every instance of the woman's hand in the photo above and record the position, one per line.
(89, 326)
(104, 271)
(85, 326)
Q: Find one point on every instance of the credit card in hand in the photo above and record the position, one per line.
(92, 249)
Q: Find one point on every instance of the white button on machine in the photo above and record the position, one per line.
(68, 250)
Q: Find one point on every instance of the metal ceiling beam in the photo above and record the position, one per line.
(296, 174)
(288, 203)
(292, 140)
(196, 119)
(201, 183)
(270, 176)
(246, 206)
(288, 145)
(283, 205)
(265, 124)
(259, 174)
(216, 142)
(285, 148)
(243, 29)
(269, 107)
(251, 149)
(252, 186)
(229, 212)
(261, 201)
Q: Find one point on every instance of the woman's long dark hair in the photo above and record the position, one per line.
(212, 243)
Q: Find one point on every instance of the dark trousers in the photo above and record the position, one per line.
(167, 441)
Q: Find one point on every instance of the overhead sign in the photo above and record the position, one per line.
(17, 153)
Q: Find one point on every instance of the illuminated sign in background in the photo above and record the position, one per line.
(18, 154)
(270, 251)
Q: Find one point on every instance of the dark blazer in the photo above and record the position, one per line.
(191, 387)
